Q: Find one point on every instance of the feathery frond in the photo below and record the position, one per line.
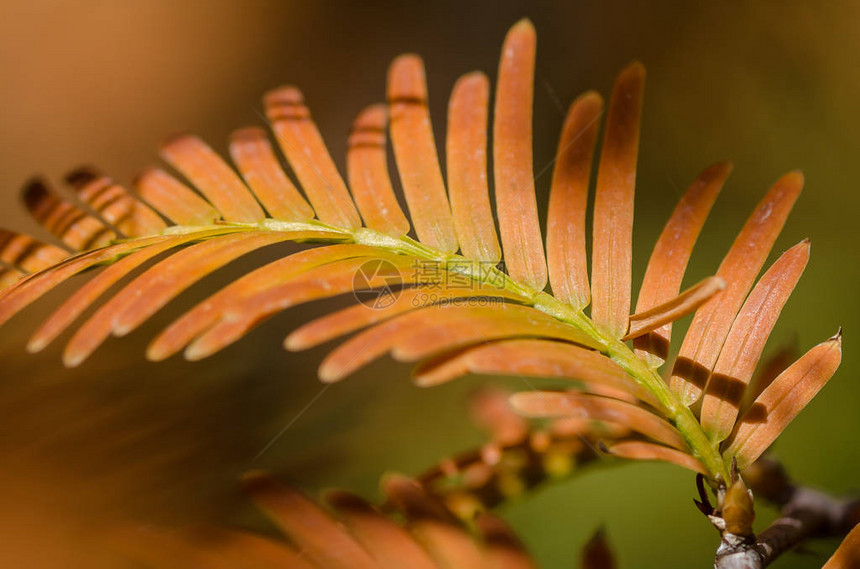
(347, 533)
(441, 519)
(452, 313)
(413, 530)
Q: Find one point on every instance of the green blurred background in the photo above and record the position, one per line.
(773, 86)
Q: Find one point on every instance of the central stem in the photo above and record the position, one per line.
(678, 413)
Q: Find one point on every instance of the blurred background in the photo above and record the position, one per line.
(773, 86)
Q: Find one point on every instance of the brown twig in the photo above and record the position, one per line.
(805, 513)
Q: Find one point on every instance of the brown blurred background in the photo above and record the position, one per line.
(773, 86)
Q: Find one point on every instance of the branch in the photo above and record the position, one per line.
(805, 513)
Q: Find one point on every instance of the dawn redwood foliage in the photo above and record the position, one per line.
(715, 409)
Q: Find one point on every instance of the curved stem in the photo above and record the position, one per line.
(678, 413)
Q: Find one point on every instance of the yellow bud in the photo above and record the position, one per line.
(738, 509)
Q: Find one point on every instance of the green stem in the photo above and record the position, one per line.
(678, 413)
